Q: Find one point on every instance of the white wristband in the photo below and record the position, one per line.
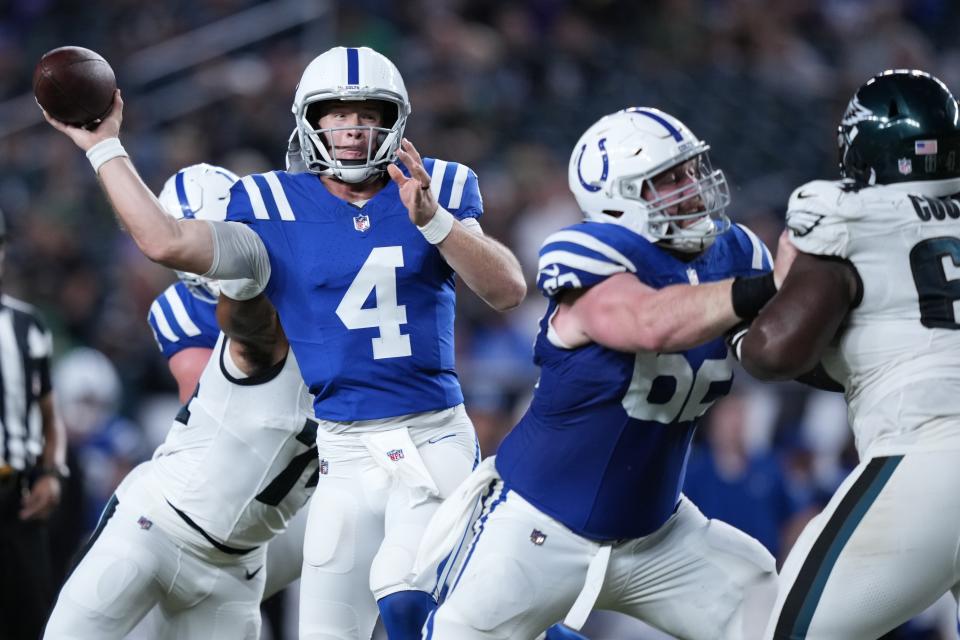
(105, 150)
(439, 226)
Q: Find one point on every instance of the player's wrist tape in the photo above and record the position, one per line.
(439, 226)
(105, 150)
(749, 295)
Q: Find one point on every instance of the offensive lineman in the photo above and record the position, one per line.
(582, 506)
(366, 299)
(873, 294)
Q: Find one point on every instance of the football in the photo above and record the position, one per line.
(74, 85)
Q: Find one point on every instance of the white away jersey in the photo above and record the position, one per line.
(241, 458)
(898, 355)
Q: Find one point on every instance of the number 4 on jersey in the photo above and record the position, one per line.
(379, 274)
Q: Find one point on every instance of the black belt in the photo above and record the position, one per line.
(216, 543)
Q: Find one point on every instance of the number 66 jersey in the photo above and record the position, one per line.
(898, 355)
(604, 443)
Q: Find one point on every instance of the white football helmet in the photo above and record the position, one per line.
(350, 74)
(199, 191)
(615, 160)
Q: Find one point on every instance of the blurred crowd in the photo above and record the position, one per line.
(505, 87)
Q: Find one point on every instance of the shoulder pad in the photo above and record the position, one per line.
(581, 255)
(817, 216)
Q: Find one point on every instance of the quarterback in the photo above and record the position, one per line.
(581, 506)
(358, 256)
(873, 295)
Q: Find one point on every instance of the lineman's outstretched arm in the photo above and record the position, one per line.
(257, 341)
(485, 265)
(624, 314)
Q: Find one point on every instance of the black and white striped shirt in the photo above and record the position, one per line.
(25, 349)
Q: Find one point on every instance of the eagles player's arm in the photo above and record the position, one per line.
(787, 339)
(486, 266)
(257, 341)
(186, 245)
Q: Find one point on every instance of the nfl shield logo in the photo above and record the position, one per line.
(395, 454)
(361, 222)
(144, 523)
(324, 467)
(538, 537)
(905, 166)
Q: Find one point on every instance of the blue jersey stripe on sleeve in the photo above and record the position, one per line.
(266, 195)
(187, 326)
(159, 321)
(456, 189)
(279, 196)
(256, 199)
(579, 241)
(446, 183)
(579, 262)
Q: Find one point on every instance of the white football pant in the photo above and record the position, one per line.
(884, 549)
(133, 565)
(366, 521)
(693, 578)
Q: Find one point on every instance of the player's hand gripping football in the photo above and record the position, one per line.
(415, 191)
(786, 254)
(108, 128)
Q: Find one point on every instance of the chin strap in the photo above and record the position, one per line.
(693, 238)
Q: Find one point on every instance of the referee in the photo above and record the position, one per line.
(32, 455)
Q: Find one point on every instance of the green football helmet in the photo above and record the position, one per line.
(901, 126)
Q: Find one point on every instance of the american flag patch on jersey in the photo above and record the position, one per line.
(395, 454)
(361, 222)
(925, 147)
(144, 523)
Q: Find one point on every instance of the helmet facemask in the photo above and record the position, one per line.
(690, 217)
(320, 153)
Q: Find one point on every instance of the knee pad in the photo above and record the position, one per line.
(331, 531)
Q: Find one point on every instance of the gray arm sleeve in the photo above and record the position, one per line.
(238, 252)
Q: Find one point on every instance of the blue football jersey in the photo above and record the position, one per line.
(181, 320)
(366, 302)
(603, 446)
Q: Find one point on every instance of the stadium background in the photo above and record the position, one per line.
(505, 87)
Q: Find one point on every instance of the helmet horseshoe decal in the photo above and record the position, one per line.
(594, 186)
